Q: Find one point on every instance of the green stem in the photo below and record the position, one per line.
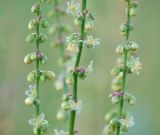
(75, 76)
(125, 70)
(38, 73)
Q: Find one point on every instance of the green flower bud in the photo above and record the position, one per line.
(77, 21)
(44, 60)
(44, 23)
(42, 38)
(134, 46)
(133, 11)
(33, 56)
(35, 8)
(27, 59)
(110, 115)
(114, 122)
(123, 27)
(115, 100)
(120, 49)
(108, 130)
(115, 71)
(42, 78)
(31, 76)
(64, 106)
(49, 75)
(65, 97)
(32, 24)
(29, 101)
(31, 38)
(132, 100)
(69, 81)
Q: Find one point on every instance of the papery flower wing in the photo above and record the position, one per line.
(32, 122)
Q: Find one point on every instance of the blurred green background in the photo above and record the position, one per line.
(14, 17)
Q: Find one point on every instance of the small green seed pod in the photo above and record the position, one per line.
(133, 11)
(35, 8)
(120, 49)
(115, 71)
(50, 75)
(42, 38)
(115, 100)
(132, 100)
(77, 21)
(114, 122)
(123, 27)
(31, 76)
(31, 38)
(44, 60)
(27, 59)
(44, 23)
(42, 78)
(64, 106)
(32, 24)
(33, 56)
(134, 46)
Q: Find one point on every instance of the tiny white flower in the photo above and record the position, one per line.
(135, 64)
(38, 122)
(90, 67)
(31, 92)
(76, 106)
(29, 101)
(60, 132)
(91, 42)
(73, 8)
(72, 48)
(127, 122)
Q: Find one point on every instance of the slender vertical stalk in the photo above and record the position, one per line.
(125, 71)
(75, 76)
(38, 72)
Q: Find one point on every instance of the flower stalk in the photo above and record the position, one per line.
(119, 120)
(75, 43)
(75, 75)
(39, 123)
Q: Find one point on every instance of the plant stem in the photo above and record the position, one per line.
(75, 76)
(125, 70)
(38, 72)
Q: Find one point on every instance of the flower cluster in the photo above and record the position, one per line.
(39, 123)
(68, 103)
(82, 73)
(75, 43)
(126, 121)
(118, 121)
(32, 94)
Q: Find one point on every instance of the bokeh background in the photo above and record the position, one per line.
(14, 17)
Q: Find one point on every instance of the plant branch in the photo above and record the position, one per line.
(75, 76)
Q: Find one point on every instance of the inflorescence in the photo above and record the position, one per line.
(75, 43)
(39, 123)
(119, 120)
